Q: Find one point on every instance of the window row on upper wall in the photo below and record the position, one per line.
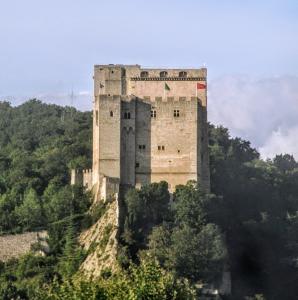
(126, 115)
(163, 74)
(176, 113)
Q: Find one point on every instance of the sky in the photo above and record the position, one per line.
(48, 49)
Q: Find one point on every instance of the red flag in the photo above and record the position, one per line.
(201, 86)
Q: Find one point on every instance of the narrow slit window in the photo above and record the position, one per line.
(127, 115)
(162, 148)
(111, 114)
(96, 117)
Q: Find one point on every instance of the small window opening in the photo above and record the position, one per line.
(159, 147)
(178, 151)
(137, 164)
(127, 115)
(112, 72)
(176, 113)
(163, 74)
(163, 148)
(144, 74)
(111, 114)
(142, 147)
(153, 113)
(182, 74)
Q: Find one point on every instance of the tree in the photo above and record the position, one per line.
(145, 209)
(29, 213)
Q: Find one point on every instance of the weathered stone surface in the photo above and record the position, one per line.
(150, 128)
(15, 245)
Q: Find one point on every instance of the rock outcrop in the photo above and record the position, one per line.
(100, 242)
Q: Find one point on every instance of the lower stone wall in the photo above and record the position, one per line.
(15, 245)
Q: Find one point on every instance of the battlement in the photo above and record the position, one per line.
(147, 99)
(175, 99)
(87, 171)
(116, 98)
(169, 78)
(150, 124)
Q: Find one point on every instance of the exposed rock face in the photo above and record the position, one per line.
(15, 245)
(100, 241)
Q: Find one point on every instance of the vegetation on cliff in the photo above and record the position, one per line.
(248, 223)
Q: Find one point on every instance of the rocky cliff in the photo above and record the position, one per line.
(100, 242)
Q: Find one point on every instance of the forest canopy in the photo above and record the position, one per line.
(248, 223)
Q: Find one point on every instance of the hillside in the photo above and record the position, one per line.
(248, 224)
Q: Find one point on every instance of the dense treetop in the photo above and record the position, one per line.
(248, 224)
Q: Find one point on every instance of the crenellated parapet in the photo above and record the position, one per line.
(76, 177)
(171, 78)
(149, 124)
(87, 179)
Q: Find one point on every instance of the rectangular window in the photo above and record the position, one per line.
(153, 113)
(137, 164)
(127, 115)
(161, 148)
(176, 113)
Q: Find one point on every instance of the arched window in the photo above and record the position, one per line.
(127, 115)
(163, 74)
(144, 74)
(182, 74)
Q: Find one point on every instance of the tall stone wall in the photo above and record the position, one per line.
(150, 125)
(106, 137)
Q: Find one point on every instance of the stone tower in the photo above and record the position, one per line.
(149, 125)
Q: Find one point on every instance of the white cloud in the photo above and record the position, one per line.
(263, 111)
(281, 141)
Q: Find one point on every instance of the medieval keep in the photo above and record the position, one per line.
(149, 125)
